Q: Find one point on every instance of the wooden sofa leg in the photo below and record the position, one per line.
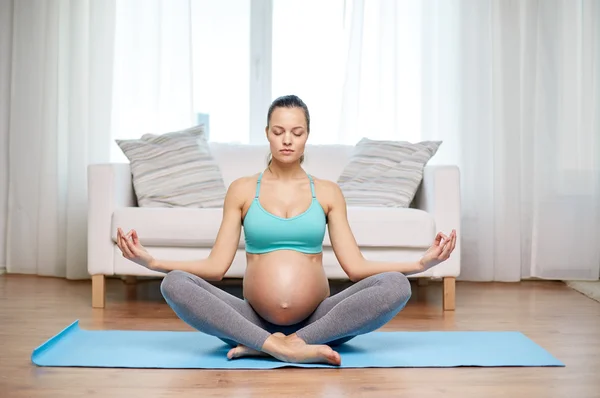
(98, 291)
(449, 293)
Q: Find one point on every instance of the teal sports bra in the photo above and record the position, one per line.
(265, 232)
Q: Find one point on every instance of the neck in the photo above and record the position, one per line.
(286, 171)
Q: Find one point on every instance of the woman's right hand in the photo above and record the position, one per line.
(132, 249)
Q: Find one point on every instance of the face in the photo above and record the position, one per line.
(287, 134)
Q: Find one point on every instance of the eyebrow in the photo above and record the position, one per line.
(297, 127)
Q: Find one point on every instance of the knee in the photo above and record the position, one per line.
(398, 288)
(173, 284)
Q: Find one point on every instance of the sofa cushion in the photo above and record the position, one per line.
(385, 173)
(187, 227)
(390, 227)
(176, 226)
(174, 169)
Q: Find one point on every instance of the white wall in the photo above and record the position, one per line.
(5, 58)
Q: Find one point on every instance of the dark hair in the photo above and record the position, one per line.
(288, 101)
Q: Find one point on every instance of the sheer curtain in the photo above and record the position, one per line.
(5, 66)
(56, 124)
(512, 89)
(80, 74)
(152, 82)
(177, 62)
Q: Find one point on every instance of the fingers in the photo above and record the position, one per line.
(123, 242)
(445, 251)
(134, 235)
(440, 238)
(126, 250)
(119, 239)
(448, 246)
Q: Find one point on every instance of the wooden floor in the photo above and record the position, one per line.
(563, 321)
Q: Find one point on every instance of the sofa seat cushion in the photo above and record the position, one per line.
(390, 227)
(171, 227)
(189, 227)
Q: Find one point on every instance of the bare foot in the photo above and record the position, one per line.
(244, 351)
(293, 349)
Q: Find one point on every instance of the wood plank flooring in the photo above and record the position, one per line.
(563, 321)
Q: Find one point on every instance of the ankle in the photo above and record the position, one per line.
(275, 345)
(294, 338)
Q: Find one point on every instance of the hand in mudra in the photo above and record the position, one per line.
(133, 250)
(439, 251)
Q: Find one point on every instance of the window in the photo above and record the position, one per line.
(308, 59)
(221, 73)
(223, 63)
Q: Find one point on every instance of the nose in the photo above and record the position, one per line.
(287, 138)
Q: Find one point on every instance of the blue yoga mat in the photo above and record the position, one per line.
(75, 347)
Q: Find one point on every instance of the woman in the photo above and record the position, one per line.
(287, 311)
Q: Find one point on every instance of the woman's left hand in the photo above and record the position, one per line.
(439, 251)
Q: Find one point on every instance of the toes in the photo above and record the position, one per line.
(332, 356)
(231, 353)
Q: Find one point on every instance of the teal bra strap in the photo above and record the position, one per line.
(312, 186)
(258, 184)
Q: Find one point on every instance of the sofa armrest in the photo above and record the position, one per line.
(109, 187)
(439, 195)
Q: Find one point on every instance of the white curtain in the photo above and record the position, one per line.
(60, 57)
(152, 82)
(80, 73)
(5, 50)
(512, 88)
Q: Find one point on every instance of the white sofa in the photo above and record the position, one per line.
(388, 234)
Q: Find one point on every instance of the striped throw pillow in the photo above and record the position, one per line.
(174, 169)
(385, 173)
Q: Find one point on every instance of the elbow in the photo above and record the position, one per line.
(353, 274)
(217, 275)
(354, 268)
(212, 277)
(212, 270)
(354, 277)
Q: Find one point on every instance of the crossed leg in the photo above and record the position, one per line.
(361, 308)
(213, 311)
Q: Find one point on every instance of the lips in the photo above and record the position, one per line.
(286, 151)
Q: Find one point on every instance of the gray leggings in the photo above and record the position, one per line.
(361, 308)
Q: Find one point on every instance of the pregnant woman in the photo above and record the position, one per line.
(287, 311)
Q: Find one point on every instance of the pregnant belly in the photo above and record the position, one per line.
(284, 287)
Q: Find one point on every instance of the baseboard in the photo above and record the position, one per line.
(2, 269)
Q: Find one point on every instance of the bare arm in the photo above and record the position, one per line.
(350, 257)
(212, 268)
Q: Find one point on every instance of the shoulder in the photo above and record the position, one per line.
(329, 191)
(243, 182)
(241, 187)
(327, 186)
